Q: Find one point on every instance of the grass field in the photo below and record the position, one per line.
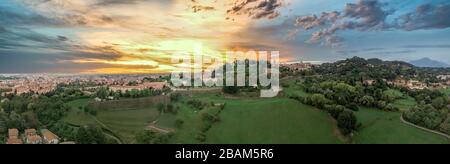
(271, 121)
(76, 116)
(127, 123)
(124, 121)
(379, 127)
(253, 121)
(292, 88)
(405, 104)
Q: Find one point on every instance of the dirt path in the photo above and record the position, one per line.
(104, 126)
(155, 128)
(423, 128)
(337, 132)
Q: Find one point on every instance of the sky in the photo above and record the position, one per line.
(141, 36)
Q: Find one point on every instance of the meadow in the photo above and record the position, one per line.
(380, 127)
(251, 120)
(405, 103)
(271, 121)
(124, 121)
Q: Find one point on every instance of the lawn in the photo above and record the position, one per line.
(271, 121)
(191, 127)
(124, 121)
(127, 123)
(76, 116)
(253, 121)
(379, 127)
(292, 89)
(405, 104)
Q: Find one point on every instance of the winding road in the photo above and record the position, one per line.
(423, 128)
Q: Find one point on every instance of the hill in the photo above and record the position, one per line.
(427, 62)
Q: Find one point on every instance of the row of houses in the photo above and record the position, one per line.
(411, 84)
(30, 136)
(298, 66)
(145, 85)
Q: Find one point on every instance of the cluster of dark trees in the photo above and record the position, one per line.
(342, 86)
(105, 93)
(378, 94)
(432, 110)
(152, 137)
(168, 108)
(345, 117)
(196, 104)
(43, 111)
(91, 134)
(208, 119)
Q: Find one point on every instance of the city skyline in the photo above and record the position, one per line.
(139, 36)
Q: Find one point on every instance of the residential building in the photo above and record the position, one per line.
(49, 137)
(13, 137)
(32, 137)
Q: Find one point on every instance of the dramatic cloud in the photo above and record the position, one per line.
(362, 16)
(256, 9)
(10, 17)
(371, 15)
(426, 16)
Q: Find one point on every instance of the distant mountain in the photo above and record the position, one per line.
(427, 62)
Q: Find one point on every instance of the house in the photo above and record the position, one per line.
(30, 132)
(369, 82)
(13, 133)
(155, 85)
(14, 141)
(13, 137)
(32, 137)
(49, 137)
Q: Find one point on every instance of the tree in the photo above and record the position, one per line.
(102, 93)
(15, 121)
(347, 122)
(175, 97)
(179, 123)
(335, 110)
(161, 107)
(367, 101)
(352, 106)
(440, 102)
(151, 137)
(319, 100)
(426, 116)
(90, 135)
(3, 122)
(230, 89)
(445, 126)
